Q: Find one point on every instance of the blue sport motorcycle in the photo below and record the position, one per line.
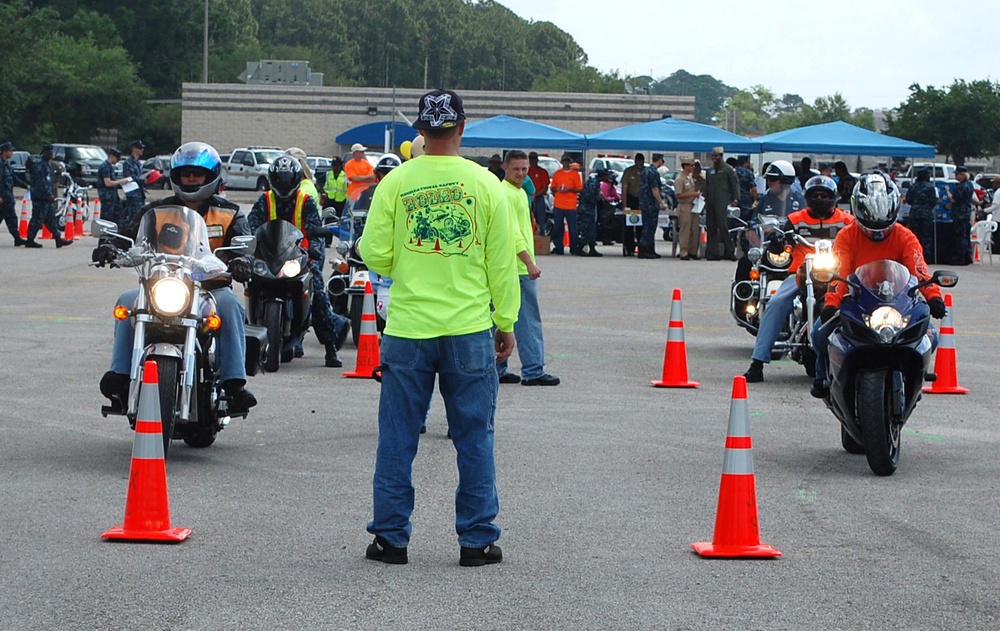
(879, 356)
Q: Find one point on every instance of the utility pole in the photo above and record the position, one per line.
(204, 57)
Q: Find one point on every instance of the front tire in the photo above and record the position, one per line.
(850, 445)
(357, 308)
(200, 441)
(272, 322)
(168, 369)
(880, 435)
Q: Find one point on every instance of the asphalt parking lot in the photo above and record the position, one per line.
(604, 480)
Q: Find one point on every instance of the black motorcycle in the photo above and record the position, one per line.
(879, 355)
(280, 290)
(769, 257)
(176, 324)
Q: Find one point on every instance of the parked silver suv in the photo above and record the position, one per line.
(247, 167)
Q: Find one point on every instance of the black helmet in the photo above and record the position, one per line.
(875, 202)
(821, 195)
(387, 163)
(285, 175)
(781, 170)
(200, 156)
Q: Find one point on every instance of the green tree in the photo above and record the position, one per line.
(709, 93)
(748, 112)
(962, 121)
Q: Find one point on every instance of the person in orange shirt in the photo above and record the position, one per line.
(566, 186)
(540, 178)
(873, 236)
(360, 173)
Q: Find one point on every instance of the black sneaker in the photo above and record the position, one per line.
(476, 557)
(544, 380)
(820, 390)
(115, 387)
(648, 255)
(63, 242)
(240, 399)
(755, 374)
(31, 243)
(594, 252)
(509, 377)
(380, 550)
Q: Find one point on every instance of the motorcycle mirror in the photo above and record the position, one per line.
(733, 212)
(945, 278)
(330, 213)
(101, 227)
(245, 242)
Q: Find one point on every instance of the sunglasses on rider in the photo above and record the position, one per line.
(188, 172)
(820, 195)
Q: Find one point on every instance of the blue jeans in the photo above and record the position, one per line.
(540, 208)
(558, 214)
(231, 348)
(779, 307)
(467, 379)
(528, 332)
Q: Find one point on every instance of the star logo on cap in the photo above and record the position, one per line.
(437, 109)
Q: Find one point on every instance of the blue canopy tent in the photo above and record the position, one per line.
(671, 134)
(842, 138)
(373, 134)
(508, 131)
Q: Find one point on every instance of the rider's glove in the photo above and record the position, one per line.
(937, 307)
(239, 268)
(317, 249)
(828, 313)
(104, 254)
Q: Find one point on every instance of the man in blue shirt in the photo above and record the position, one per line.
(650, 202)
(43, 197)
(8, 205)
(132, 168)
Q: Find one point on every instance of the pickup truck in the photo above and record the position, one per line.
(247, 167)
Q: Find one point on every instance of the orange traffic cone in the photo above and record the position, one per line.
(78, 225)
(22, 228)
(946, 361)
(566, 238)
(736, 530)
(147, 509)
(97, 210)
(368, 348)
(675, 368)
(69, 233)
(46, 234)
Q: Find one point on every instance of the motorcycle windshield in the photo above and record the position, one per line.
(277, 242)
(886, 279)
(179, 231)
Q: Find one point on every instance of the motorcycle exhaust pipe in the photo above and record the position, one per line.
(744, 290)
(337, 285)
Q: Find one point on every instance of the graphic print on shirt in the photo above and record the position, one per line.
(440, 220)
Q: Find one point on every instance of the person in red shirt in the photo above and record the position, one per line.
(566, 185)
(540, 178)
(874, 235)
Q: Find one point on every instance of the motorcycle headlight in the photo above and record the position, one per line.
(291, 268)
(779, 259)
(169, 296)
(824, 261)
(754, 254)
(887, 323)
(343, 248)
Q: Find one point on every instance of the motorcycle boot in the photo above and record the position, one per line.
(647, 253)
(240, 399)
(332, 361)
(115, 387)
(755, 374)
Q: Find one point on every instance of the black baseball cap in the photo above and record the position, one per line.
(115, 151)
(439, 109)
(48, 149)
(138, 143)
(7, 146)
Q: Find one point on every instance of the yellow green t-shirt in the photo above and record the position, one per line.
(520, 223)
(440, 227)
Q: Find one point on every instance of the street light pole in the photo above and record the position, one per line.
(204, 57)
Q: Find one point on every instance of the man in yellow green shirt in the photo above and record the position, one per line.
(440, 227)
(528, 328)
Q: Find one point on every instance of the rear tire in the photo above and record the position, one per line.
(881, 436)
(272, 322)
(261, 184)
(850, 445)
(200, 441)
(168, 369)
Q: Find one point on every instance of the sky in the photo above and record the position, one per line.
(868, 51)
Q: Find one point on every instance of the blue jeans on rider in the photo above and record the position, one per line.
(779, 307)
(325, 322)
(467, 379)
(528, 333)
(821, 339)
(232, 345)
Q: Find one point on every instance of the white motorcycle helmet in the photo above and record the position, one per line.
(782, 170)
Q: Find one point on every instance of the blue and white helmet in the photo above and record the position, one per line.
(200, 156)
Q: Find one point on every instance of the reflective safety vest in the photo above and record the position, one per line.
(300, 201)
(336, 187)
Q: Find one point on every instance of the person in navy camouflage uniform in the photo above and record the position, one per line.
(284, 176)
(587, 205)
(650, 202)
(748, 186)
(107, 189)
(8, 205)
(923, 199)
(962, 199)
(43, 197)
(132, 168)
